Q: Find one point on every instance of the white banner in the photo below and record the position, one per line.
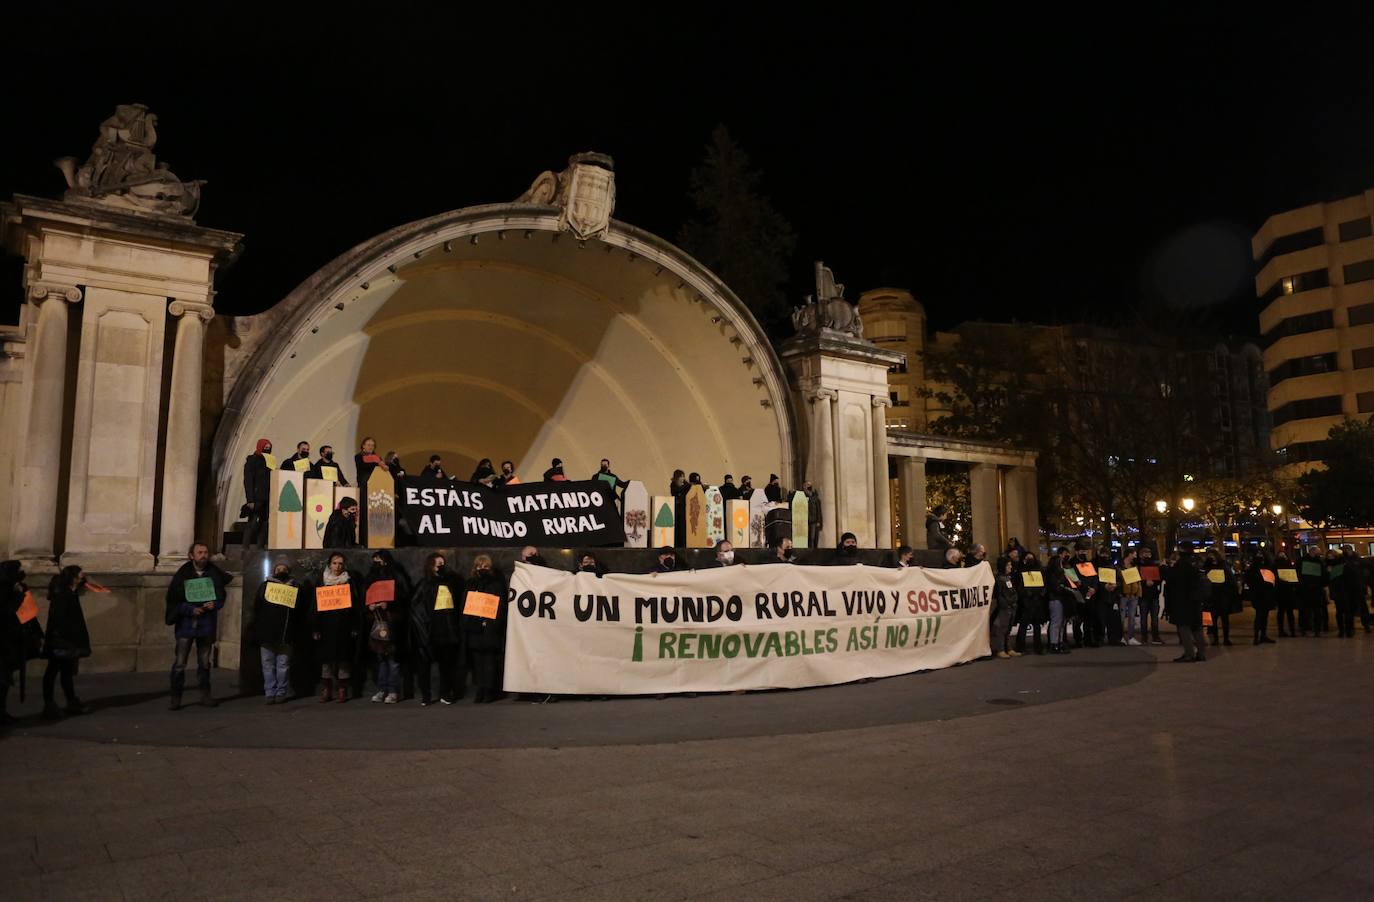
(741, 627)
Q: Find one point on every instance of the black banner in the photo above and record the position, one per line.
(560, 514)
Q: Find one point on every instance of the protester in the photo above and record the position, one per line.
(782, 552)
(1261, 593)
(1285, 598)
(484, 474)
(667, 561)
(335, 630)
(507, 477)
(728, 490)
(953, 558)
(385, 595)
(364, 462)
(1004, 610)
(746, 488)
(393, 465)
(1092, 630)
(1030, 603)
(257, 479)
(678, 487)
(1183, 607)
(1311, 593)
(1149, 597)
(555, 471)
(725, 555)
(848, 548)
(905, 557)
(272, 625)
(587, 563)
(1107, 599)
(813, 515)
(1130, 595)
(20, 640)
(1060, 597)
(435, 632)
(1348, 592)
(694, 479)
(341, 529)
(434, 469)
(530, 555)
(1222, 596)
(302, 453)
(937, 538)
(327, 460)
(616, 484)
(65, 642)
(194, 597)
(773, 491)
(484, 637)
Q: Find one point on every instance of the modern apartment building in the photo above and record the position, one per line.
(1316, 292)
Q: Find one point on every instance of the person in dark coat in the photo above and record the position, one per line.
(667, 561)
(196, 622)
(746, 487)
(20, 640)
(393, 465)
(341, 530)
(1285, 599)
(257, 484)
(1223, 598)
(678, 487)
(937, 535)
(1183, 607)
(617, 486)
(1004, 610)
(302, 453)
(1063, 599)
(65, 641)
(327, 460)
(1312, 580)
(484, 638)
(272, 626)
(435, 632)
(813, 515)
(484, 474)
(1261, 592)
(434, 469)
(1348, 591)
(555, 471)
(728, 490)
(1031, 609)
(364, 462)
(773, 491)
(587, 563)
(335, 630)
(1092, 629)
(386, 595)
(1149, 599)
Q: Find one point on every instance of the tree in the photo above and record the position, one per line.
(737, 233)
(1342, 494)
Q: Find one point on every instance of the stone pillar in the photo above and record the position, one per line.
(882, 491)
(822, 462)
(913, 477)
(1023, 509)
(982, 489)
(40, 456)
(181, 460)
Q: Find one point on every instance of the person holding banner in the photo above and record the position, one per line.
(335, 615)
(65, 642)
(484, 474)
(257, 480)
(435, 634)
(194, 596)
(507, 476)
(273, 620)
(555, 471)
(435, 468)
(484, 630)
(300, 461)
(616, 484)
(588, 563)
(667, 561)
(1260, 582)
(385, 593)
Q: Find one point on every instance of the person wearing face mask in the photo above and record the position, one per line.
(335, 630)
(272, 625)
(530, 555)
(555, 471)
(1183, 604)
(782, 552)
(667, 561)
(385, 594)
(20, 640)
(508, 477)
(484, 638)
(257, 480)
(1261, 594)
(728, 490)
(773, 491)
(1149, 598)
(302, 453)
(725, 555)
(435, 468)
(435, 630)
(746, 488)
(1222, 598)
(1093, 627)
(66, 641)
(484, 474)
(1005, 595)
(616, 485)
(1031, 609)
(327, 460)
(195, 621)
(341, 530)
(678, 487)
(1059, 598)
(587, 563)
(848, 548)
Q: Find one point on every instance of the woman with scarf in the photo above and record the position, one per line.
(386, 594)
(273, 621)
(335, 629)
(66, 641)
(1004, 596)
(484, 638)
(435, 631)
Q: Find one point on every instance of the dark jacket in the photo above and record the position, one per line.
(257, 482)
(273, 623)
(1004, 590)
(66, 636)
(1260, 591)
(1032, 606)
(729, 492)
(363, 470)
(337, 629)
(430, 627)
(1311, 586)
(480, 634)
(1285, 593)
(340, 532)
(1224, 597)
(182, 614)
(773, 492)
(394, 612)
(1183, 593)
(315, 470)
(936, 539)
(290, 463)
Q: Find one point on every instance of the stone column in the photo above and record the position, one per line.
(982, 489)
(913, 472)
(181, 460)
(882, 491)
(40, 456)
(822, 463)
(1023, 509)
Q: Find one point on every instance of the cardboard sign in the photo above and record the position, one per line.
(1107, 575)
(28, 608)
(271, 460)
(333, 598)
(199, 591)
(1032, 579)
(1150, 573)
(1311, 568)
(481, 604)
(1268, 576)
(1086, 569)
(1071, 576)
(300, 464)
(372, 459)
(381, 592)
(92, 586)
(1130, 576)
(1288, 575)
(329, 474)
(444, 600)
(1216, 576)
(1206, 618)
(1335, 571)
(282, 594)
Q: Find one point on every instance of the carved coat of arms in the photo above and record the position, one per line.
(591, 198)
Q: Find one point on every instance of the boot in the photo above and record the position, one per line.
(326, 690)
(203, 678)
(342, 694)
(178, 683)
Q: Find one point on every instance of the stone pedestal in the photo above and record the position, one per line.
(842, 382)
(983, 498)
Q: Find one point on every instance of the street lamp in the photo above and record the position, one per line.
(1277, 509)
(1161, 506)
(1189, 504)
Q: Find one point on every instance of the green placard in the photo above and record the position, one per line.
(1335, 572)
(199, 590)
(1311, 568)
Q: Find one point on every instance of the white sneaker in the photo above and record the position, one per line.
(380, 696)
(1133, 642)
(392, 698)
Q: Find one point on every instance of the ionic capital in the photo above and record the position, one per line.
(880, 401)
(41, 291)
(180, 308)
(825, 394)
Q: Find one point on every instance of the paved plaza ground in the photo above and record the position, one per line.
(1110, 773)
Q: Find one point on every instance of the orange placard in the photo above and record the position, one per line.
(28, 608)
(1085, 569)
(333, 598)
(1268, 576)
(382, 591)
(481, 604)
(1150, 573)
(92, 586)
(1206, 618)
(371, 459)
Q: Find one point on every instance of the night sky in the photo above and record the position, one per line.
(1032, 168)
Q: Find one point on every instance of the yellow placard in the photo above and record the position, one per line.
(1289, 575)
(1216, 576)
(1130, 576)
(271, 460)
(481, 604)
(1107, 575)
(333, 598)
(1032, 579)
(300, 464)
(444, 600)
(329, 474)
(282, 594)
